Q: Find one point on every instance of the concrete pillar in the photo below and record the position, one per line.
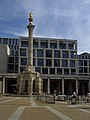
(48, 86)
(3, 85)
(89, 86)
(63, 86)
(0, 87)
(40, 85)
(77, 86)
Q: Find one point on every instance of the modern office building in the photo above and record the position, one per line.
(55, 59)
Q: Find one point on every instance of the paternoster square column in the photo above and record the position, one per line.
(30, 44)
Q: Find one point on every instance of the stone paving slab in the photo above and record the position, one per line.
(36, 113)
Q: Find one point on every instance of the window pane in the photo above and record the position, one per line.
(23, 61)
(40, 62)
(64, 63)
(48, 53)
(44, 44)
(59, 71)
(72, 63)
(38, 69)
(65, 54)
(80, 62)
(56, 54)
(40, 53)
(52, 70)
(53, 45)
(24, 43)
(22, 52)
(48, 62)
(66, 71)
(62, 45)
(44, 70)
(35, 44)
(56, 62)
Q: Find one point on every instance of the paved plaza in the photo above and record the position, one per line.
(28, 108)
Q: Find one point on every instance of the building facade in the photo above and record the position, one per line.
(55, 59)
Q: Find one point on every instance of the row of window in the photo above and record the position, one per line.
(44, 44)
(9, 41)
(49, 53)
(49, 62)
(58, 71)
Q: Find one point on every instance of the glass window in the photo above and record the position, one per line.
(73, 71)
(52, 70)
(11, 59)
(40, 53)
(33, 52)
(64, 54)
(23, 61)
(64, 63)
(80, 69)
(0, 40)
(48, 62)
(59, 71)
(80, 62)
(11, 68)
(44, 44)
(5, 40)
(22, 52)
(48, 53)
(73, 54)
(12, 52)
(56, 54)
(85, 62)
(56, 63)
(62, 45)
(16, 59)
(66, 71)
(16, 68)
(35, 44)
(72, 63)
(10, 42)
(40, 62)
(53, 45)
(44, 70)
(85, 69)
(38, 69)
(24, 43)
(16, 53)
(34, 61)
(71, 46)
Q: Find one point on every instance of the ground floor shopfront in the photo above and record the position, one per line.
(64, 85)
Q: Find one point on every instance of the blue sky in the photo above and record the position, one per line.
(68, 19)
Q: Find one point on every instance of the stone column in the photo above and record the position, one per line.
(76, 86)
(30, 44)
(3, 85)
(63, 86)
(48, 90)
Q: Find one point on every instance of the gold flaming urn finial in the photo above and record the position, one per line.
(31, 18)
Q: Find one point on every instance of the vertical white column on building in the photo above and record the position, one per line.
(0, 87)
(48, 85)
(89, 86)
(3, 85)
(63, 86)
(77, 86)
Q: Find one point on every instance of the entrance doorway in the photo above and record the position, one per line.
(11, 86)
